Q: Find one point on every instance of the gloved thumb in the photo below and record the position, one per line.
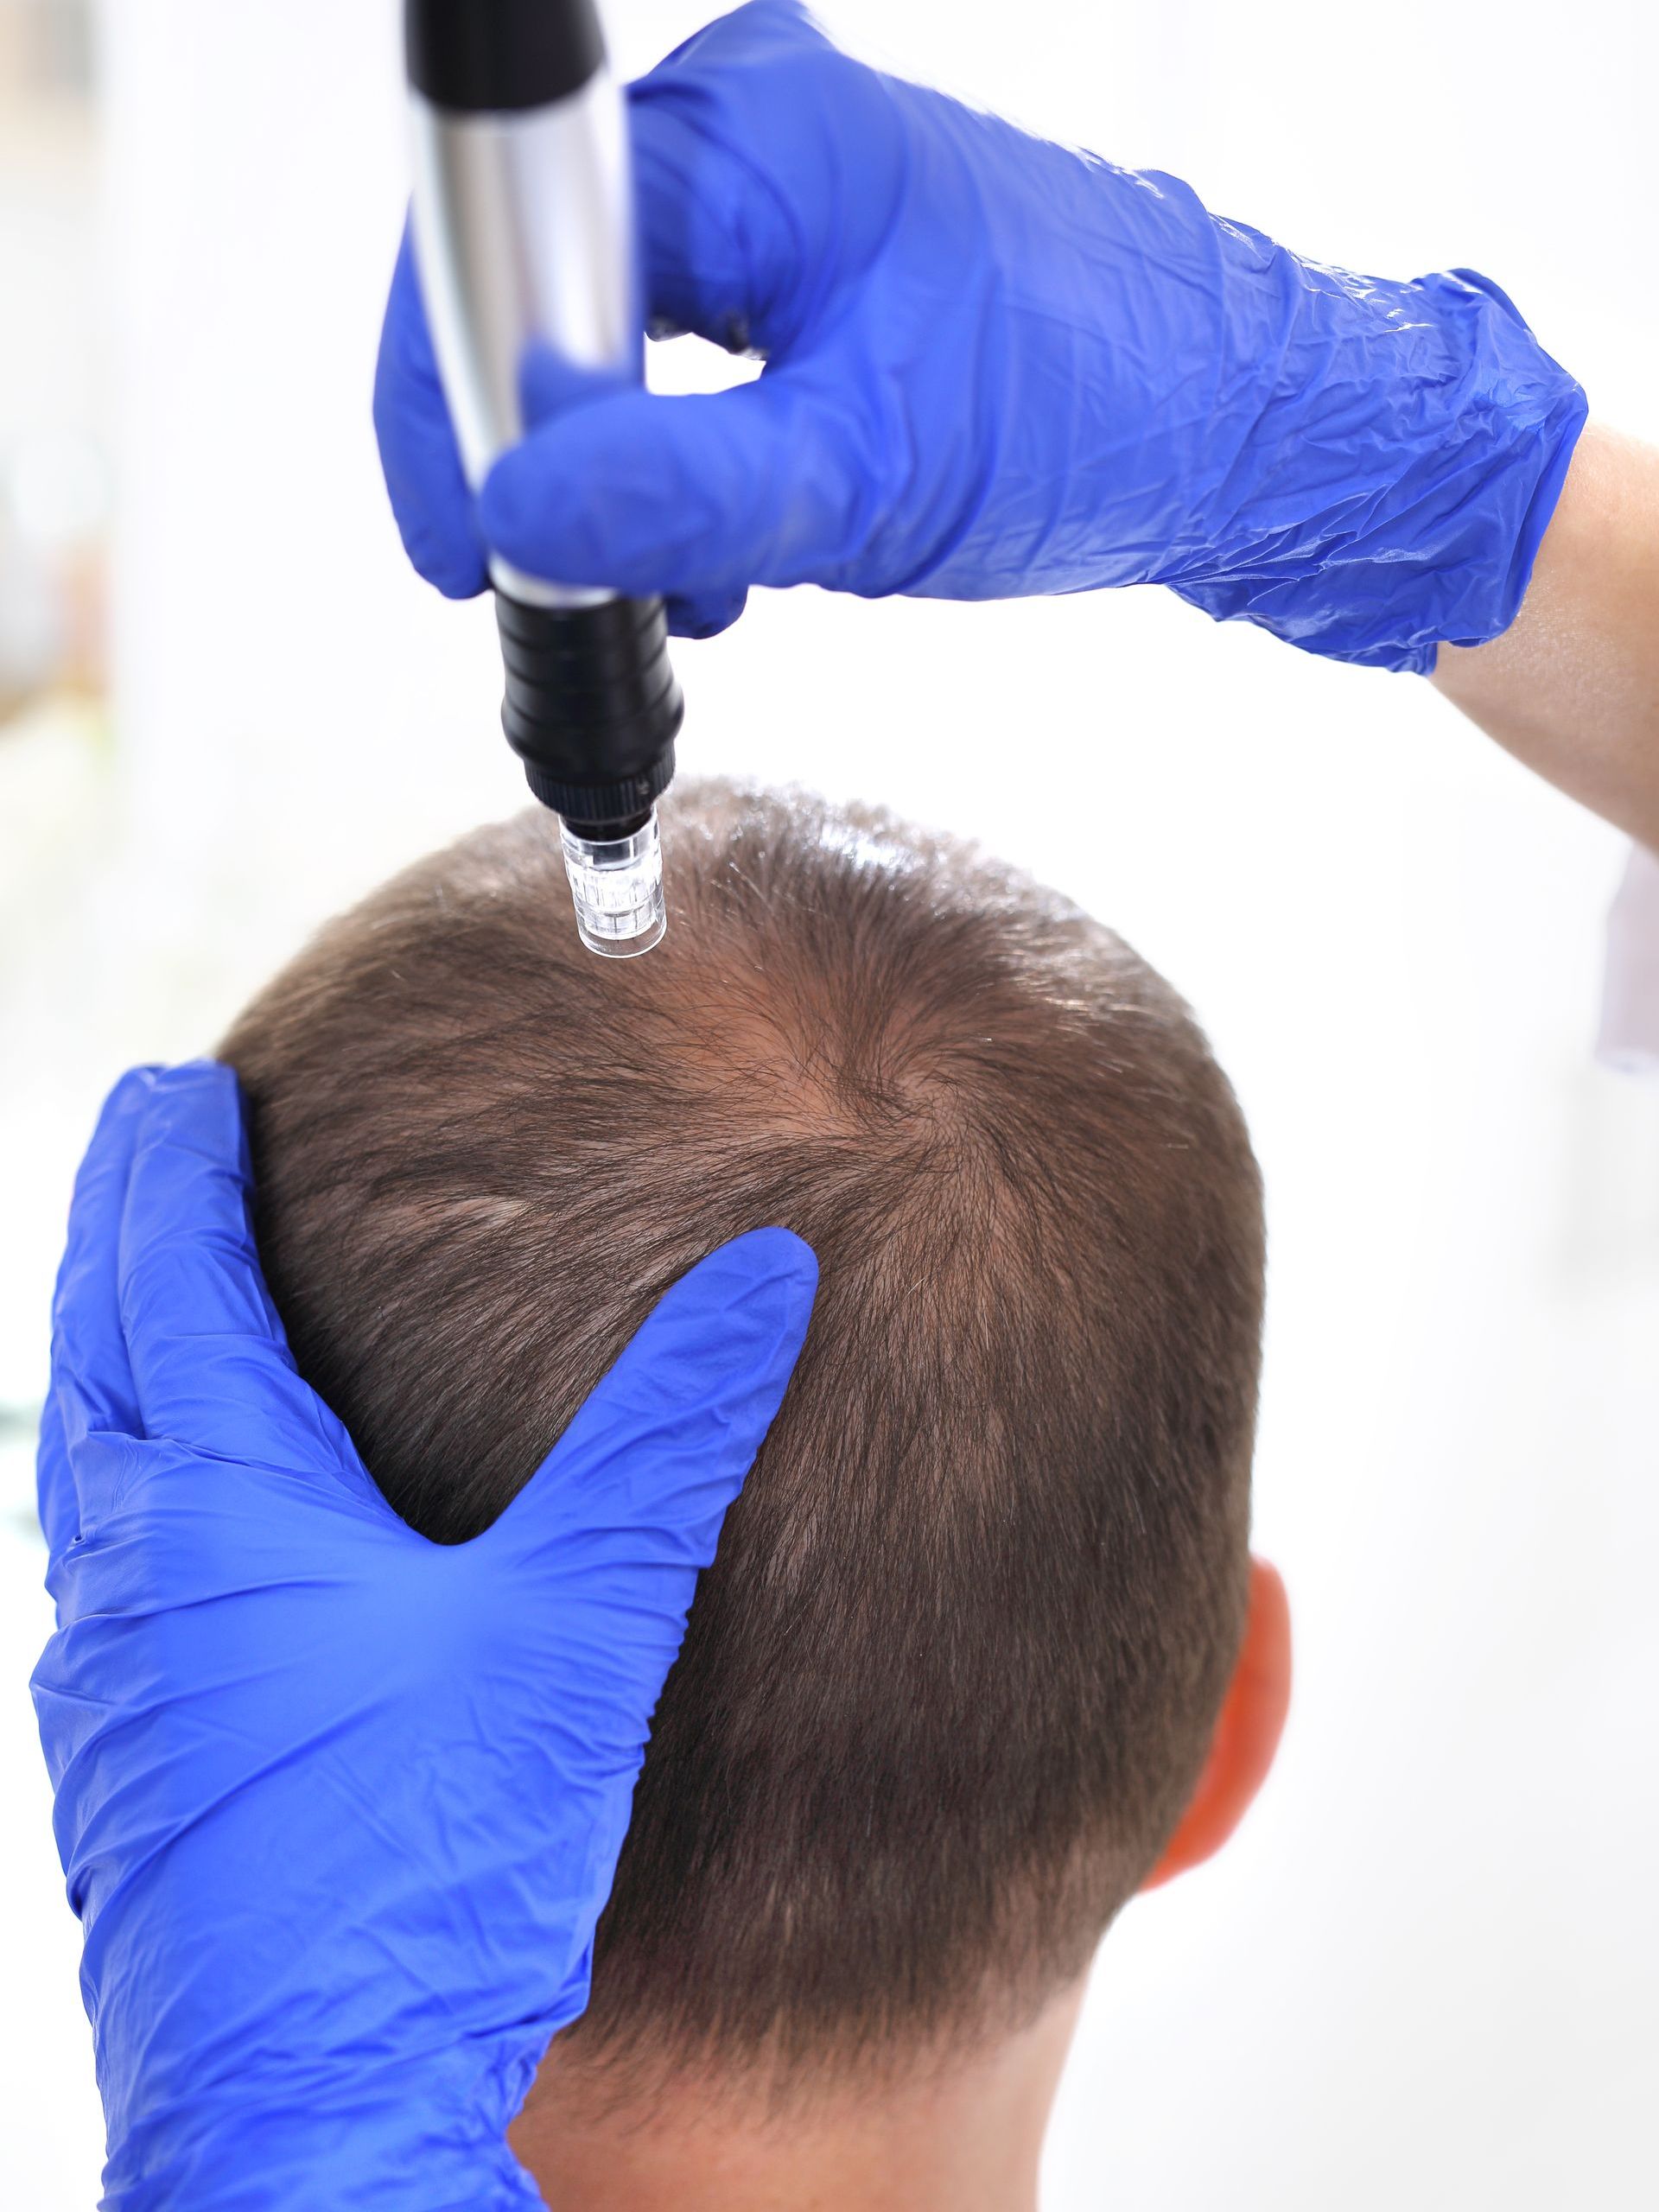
(691, 496)
(630, 1501)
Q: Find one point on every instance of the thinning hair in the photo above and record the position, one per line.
(953, 1674)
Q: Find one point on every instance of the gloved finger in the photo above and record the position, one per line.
(715, 252)
(548, 385)
(696, 497)
(430, 496)
(91, 1386)
(551, 387)
(704, 614)
(719, 254)
(92, 1406)
(55, 1499)
(209, 1358)
(76, 1484)
(641, 1479)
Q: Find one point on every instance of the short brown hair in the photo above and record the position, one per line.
(952, 1676)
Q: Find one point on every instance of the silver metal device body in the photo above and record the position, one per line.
(523, 237)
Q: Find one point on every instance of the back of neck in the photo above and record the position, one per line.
(963, 2138)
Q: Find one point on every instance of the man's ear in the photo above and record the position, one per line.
(1247, 1735)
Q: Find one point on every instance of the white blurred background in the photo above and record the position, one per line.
(1423, 1973)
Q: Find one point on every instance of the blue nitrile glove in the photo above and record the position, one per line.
(338, 1806)
(998, 367)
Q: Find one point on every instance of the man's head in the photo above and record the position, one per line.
(954, 1673)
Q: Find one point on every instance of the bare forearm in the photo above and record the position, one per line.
(1572, 688)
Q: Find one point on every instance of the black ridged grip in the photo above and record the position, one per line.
(592, 706)
(474, 56)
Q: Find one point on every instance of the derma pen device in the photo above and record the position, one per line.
(524, 239)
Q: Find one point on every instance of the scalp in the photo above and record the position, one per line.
(954, 1671)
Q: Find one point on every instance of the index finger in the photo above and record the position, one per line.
(430, 499)
(714, 250)
(210, 1359)
(92, 1385)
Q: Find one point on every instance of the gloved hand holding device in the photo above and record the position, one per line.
(999, 366)
(340, 1807)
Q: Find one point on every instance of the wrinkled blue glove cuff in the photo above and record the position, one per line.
(1439, 497)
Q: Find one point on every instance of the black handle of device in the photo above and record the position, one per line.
(479, 56)
(592, 706)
